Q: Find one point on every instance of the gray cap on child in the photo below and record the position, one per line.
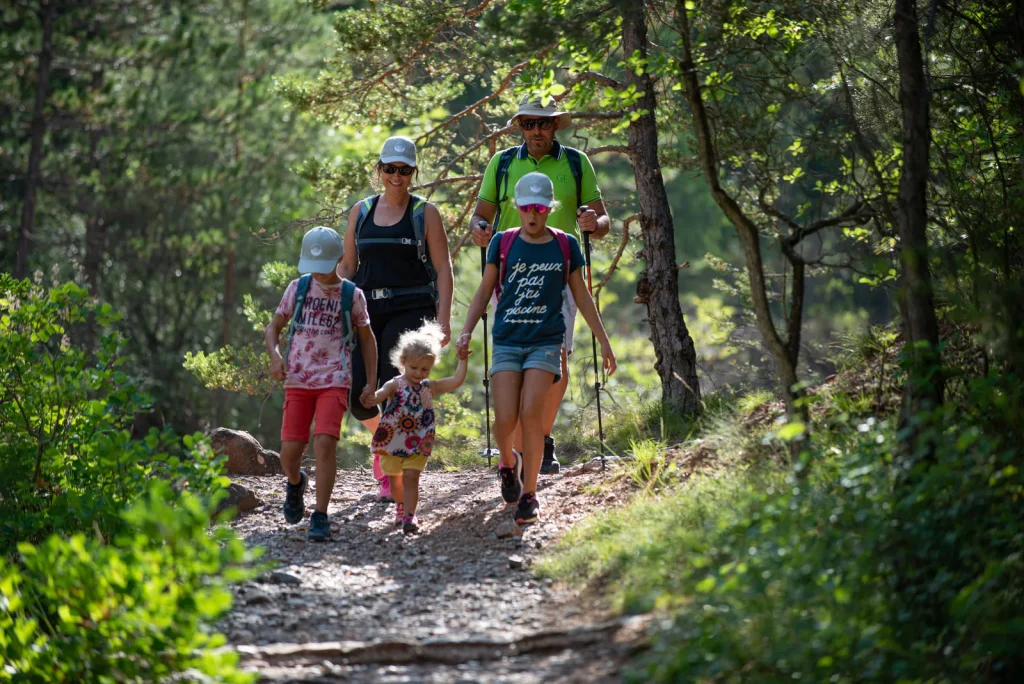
(321, 249)
(535, 188)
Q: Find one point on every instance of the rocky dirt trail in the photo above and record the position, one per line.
(457, 603)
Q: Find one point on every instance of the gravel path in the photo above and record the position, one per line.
(457, 603)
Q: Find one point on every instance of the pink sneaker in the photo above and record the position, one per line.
(399, 514)
(384, 493)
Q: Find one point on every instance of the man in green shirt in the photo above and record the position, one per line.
(581, 210)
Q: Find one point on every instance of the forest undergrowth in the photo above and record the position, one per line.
(863, 563)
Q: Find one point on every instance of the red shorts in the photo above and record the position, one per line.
(328, 404)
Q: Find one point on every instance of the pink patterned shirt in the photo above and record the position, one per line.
(315, 359)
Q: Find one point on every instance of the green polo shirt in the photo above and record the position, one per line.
(555, 166)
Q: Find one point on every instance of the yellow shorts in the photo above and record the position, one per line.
(394, 465)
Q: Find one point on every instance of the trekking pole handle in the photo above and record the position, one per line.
(482, 225)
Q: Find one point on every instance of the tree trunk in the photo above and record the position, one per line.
(676, 356)
(924, 389)
(785, 353)
(95, 225)
(48, 14)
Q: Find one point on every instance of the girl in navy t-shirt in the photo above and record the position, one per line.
(531, 262)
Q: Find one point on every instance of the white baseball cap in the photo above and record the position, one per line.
(534, 188)
(321, 249)
(398, 149)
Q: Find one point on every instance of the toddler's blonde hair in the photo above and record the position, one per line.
(424, 341)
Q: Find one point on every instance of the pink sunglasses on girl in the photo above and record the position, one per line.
(539, 208)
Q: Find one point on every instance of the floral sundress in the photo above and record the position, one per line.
(406, 426)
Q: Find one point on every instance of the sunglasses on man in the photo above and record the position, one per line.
(539, 208)
(403, 170)
(544, 124)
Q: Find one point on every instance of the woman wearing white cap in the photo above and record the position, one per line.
(396, 251)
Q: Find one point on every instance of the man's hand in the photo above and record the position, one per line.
(366, 397)
(587, 219)
(482, 234)
(277, 370)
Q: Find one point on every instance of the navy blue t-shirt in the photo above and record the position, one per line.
(530, 308)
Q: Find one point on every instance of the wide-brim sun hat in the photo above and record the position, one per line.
(534, 188)
(531, 106)
(398, 149)
(321, 249)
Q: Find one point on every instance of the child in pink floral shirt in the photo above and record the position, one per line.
(317, 372)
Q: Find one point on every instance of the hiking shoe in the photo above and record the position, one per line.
(549, 465)
(319, 527)
(399, 514)
(294, 503)
(410, 525)
(528, 509)
(511, 479)
(384, 493)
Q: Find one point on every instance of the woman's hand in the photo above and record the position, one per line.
(446, 328)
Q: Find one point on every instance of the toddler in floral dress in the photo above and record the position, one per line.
(405, 435)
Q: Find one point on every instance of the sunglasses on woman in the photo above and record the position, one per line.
(539, 208)
(544, 124)
(403, 170)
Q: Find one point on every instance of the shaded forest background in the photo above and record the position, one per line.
(167, 167)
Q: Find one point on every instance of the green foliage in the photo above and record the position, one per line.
(76, 609)
(246, 367)
(879, 567)
(65, 417)
(109, 572)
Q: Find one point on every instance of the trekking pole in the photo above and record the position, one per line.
(488, 453)
(593, 346)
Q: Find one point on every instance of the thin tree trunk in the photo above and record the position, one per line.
(229, 265)
(674, 350)
(924, 389)
(784, 352)
(95, 225)
(47, 14)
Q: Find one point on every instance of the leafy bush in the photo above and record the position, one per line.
(109, 572)
(877, 568)
(78, 610)
(65, 413)
(244, 368)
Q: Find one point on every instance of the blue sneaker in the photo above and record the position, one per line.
(294, 503)
(319, 528)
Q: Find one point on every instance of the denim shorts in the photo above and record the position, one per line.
(546, 357)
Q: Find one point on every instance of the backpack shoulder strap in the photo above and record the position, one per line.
(348, 293)
(504, 247)
(563, 244)
(501, 177)
(301, 290)
(572, 155)
(365, 205)
(419, 229)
